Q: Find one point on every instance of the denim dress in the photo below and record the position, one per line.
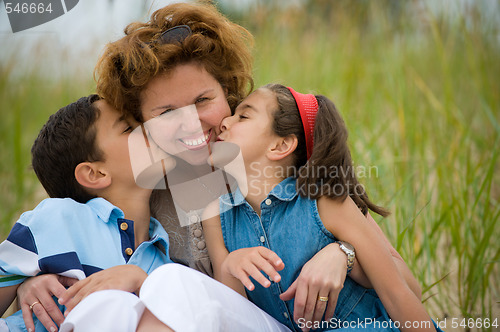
(290, 226)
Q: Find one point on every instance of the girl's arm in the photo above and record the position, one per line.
(346, 222)
(398, 260)
(357, 274)
(218, 253)
(233, 269)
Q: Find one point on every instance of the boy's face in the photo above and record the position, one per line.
(112, 132)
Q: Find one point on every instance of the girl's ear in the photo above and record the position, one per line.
(89, 175)
(282, 147)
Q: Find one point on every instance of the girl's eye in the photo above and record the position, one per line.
(243, 117)
(128, 130)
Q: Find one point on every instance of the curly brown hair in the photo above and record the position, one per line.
(223, 48)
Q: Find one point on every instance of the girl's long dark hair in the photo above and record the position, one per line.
(329, 171)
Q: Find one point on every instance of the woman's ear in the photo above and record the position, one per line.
(282, 147)
(90, 176)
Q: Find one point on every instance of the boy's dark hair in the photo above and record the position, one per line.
(67, 139)
(329, 171)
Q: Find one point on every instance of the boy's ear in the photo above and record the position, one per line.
(282, 147)
(89, 175)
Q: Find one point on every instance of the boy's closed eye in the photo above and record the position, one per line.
(127, 130)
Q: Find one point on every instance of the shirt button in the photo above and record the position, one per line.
(194, 219)
(201, 245)
(268, 201)
(197, 233)
(262, 239)
(129, 251)
(285, 315)
(123, 226)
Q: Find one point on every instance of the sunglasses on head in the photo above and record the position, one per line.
(176, 34)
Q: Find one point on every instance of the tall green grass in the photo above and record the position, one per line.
(420, 97)
(26, 99)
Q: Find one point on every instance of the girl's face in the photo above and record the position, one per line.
(251, 125)
(183, 111)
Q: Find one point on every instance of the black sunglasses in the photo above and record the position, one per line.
(176, 34)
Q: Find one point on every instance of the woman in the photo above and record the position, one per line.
(161, 65)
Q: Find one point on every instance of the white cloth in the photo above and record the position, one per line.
(107, 310)
(180, 297)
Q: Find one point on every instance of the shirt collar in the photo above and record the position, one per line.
(233, 199)
(284, 191)
(105, 210)
(157, 234)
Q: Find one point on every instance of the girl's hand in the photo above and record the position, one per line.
(128, 278)
(39, 290)
(323, 275)
(246, 262)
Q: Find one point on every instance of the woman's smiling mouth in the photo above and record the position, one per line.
(196, 142)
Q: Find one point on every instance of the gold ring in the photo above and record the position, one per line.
(31, 306)
(323, 298)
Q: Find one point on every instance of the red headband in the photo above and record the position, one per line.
(308, 108)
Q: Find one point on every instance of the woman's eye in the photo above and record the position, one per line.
(128, 130)
(164, 112)
(243, 117)
(202, 99)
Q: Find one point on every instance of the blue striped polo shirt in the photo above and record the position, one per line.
(72, 239)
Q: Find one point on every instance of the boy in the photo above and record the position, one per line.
(97, 217)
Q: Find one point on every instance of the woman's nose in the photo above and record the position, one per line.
(190, 119)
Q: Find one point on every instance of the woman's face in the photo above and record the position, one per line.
(182, 111)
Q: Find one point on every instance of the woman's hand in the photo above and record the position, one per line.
(322, 276)
(246, 262)
(39, 291)
(128, 278)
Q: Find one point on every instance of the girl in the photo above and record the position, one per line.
(302, 196)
